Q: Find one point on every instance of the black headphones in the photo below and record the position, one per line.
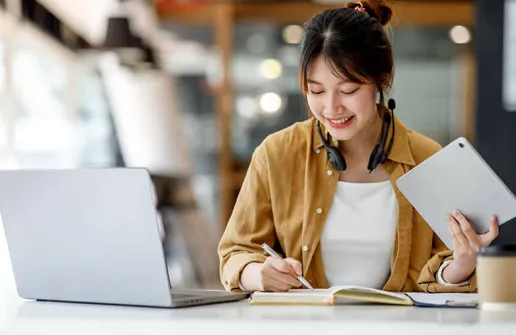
(378, 155)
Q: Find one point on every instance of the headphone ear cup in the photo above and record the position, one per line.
(378, 156)
(334, 155)
(375, 158)
(336, 158)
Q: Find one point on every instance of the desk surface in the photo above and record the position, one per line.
(19, 316)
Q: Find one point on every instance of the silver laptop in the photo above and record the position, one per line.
(90, 236)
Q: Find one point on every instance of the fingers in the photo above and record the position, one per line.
(463, 234)
(456, 244)
(278, 274)
(282, 265)
(487, 238)
(284, 271)
(456, 232)
(455, 241)
(285, 278)
(276, 286)
(467, 230)
(296, 265)
(493, 226)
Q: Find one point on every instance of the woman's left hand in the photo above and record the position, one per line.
(466, 244)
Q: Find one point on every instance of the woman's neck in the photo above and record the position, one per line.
(361, 146)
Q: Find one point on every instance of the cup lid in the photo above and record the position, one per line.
(498, 250)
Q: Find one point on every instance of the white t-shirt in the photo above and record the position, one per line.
(358, 236)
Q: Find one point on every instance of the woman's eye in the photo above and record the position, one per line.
(350, 92)
(316, 93)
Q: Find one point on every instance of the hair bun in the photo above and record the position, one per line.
(379, 9)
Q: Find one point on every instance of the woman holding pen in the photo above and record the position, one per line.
(322, 192)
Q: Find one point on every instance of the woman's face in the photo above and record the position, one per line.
(343, 107)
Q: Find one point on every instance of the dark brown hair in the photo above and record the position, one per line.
(353, 42)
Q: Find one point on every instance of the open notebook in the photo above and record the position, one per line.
(363, 294)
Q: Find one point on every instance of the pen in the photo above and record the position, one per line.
(273, 253)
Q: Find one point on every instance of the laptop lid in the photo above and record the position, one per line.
(84, 235)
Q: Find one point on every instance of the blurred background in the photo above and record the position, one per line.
(189, 88)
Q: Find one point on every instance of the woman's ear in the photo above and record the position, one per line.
(380, 97)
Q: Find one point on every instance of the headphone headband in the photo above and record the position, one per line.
(379, 154)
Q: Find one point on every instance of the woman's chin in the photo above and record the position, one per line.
(342, 134)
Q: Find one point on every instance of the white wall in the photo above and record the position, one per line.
(147, 117)
(428, 94)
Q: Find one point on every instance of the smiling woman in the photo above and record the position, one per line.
(342, 73)
(342, 224)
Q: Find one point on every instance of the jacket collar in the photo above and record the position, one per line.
(400, 152)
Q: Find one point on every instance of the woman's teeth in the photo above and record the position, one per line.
(342, 120)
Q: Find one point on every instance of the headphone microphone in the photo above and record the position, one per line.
(378, 156)
(391, 104)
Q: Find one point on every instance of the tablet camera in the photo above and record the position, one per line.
(461, 145)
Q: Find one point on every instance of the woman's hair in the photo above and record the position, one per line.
(353, 42)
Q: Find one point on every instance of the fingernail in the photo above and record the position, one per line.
(455, 212)
(449, 218)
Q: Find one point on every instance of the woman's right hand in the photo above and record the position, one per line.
(277, 275)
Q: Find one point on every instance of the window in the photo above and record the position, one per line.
(57, 113)
(3, 100)
(44, 136)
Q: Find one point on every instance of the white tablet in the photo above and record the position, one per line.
(457, 177)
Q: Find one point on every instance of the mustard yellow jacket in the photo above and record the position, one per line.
(287, 193)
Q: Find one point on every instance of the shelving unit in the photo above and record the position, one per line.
(223, 16)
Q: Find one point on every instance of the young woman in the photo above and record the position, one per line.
(323, 193)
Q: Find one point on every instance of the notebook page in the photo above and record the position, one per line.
(336, 289)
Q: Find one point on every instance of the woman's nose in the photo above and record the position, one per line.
(333, 104)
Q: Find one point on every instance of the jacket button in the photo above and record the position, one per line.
(305, 248)
(317, 151)
(319, 210)
(330, 172)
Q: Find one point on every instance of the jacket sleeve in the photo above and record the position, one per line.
(250, 224)
(427, 281)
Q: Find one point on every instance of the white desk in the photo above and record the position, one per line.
(29, 317)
